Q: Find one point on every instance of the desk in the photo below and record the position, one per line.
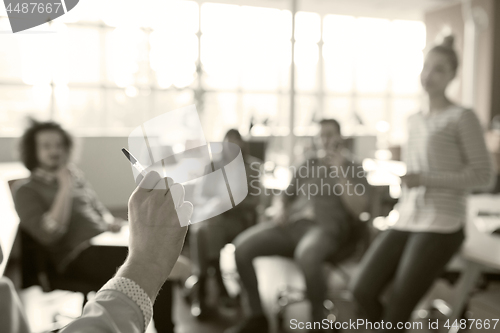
(109, 238)
(482, 247)
(180, 271)
(481, 252)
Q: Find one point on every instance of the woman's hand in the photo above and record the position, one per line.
(64, 177)
(60, 211)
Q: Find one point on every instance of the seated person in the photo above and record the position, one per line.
(125, 302)
(59, 209)
(319, 207)
(209, 237)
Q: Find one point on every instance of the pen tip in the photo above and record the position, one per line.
(130, 157)
(125, 151)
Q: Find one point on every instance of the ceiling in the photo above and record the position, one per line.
(403, 9)
(392, 4)
(392, 9)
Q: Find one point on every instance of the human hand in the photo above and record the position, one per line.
(281, 219)
(158, 217)
(334, 160)
(64, 177)
(281, 216)
(335, 155)
(411, 180)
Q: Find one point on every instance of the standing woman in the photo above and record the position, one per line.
(446, 158)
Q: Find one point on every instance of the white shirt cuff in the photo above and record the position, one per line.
(133, 291)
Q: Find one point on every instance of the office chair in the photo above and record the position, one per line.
(362, 235)
(36, 267)
(475, 266)
(354, 249)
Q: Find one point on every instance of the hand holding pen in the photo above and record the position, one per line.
(135, 162)
(169, 191)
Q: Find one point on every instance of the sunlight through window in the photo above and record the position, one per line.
(233, 60)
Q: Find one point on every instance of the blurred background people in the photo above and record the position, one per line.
(315, 221)
(209, 237)
(446, 158)
(103, 73)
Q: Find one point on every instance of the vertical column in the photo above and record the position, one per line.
(199, 91)
(291, 135)
(320, 111)
(104, 86)
(468, 69)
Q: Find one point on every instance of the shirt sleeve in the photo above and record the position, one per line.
(96, 203)
(121, 306)
(32, 214)
(478, 170)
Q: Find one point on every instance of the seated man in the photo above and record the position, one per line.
(209, 237)
(59, 209)
(315, 221)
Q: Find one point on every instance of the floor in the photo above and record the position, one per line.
(41, 308)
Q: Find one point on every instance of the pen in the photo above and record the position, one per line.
(140, 168)
(134, 161)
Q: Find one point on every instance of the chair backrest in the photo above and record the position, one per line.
(34, 259)
(361, 236)
(355, 246)
(35, 263)
(36, 266)
(9, 219)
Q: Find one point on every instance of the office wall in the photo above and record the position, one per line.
(488, 55)
(447, 18)
(486, 61)
(495, 72)
(101, 160)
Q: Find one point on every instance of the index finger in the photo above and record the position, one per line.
(149, 182)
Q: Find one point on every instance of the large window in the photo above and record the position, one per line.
(105, 71)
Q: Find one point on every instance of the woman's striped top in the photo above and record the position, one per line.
(449, 152)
